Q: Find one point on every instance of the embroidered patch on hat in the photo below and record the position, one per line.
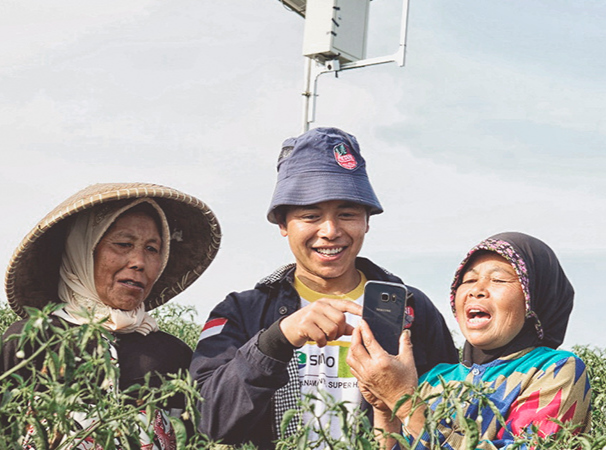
(344, 157)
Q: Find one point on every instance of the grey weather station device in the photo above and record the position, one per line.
(334, 39)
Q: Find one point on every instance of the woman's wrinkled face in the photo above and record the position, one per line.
(489, 303)
(128, 261)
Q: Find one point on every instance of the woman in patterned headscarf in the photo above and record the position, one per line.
(512, 302)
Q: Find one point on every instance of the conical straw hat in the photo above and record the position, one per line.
(33, 272)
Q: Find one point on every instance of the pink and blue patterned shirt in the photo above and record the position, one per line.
(531, 387)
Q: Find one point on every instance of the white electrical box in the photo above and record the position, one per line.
(336, 29)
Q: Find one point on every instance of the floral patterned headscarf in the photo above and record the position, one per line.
(547, 291)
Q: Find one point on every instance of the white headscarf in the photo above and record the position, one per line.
(77, 273)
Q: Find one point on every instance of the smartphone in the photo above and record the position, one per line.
(383, 310)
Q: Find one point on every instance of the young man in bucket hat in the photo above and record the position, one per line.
(262, 349)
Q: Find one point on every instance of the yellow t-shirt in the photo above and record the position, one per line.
(325, 369)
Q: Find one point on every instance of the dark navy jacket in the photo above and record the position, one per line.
(238, 381)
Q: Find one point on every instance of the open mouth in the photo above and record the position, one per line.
(477, 316)
(329, 251)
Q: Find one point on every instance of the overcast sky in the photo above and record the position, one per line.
(497, 123)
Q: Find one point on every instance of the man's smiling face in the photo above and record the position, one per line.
(325, 239)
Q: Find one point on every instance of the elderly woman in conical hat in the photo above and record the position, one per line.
(512, 300)
(111, 253)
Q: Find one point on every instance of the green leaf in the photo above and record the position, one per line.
(180, 432)
(472, 434)
(288, 416)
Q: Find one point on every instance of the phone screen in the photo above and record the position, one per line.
(384, 307)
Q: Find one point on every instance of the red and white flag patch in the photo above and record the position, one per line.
(212, 327)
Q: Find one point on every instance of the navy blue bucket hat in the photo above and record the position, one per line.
(320, 165)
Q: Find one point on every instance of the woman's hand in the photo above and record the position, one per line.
(385, 376)
(373, 400)
(383, 379)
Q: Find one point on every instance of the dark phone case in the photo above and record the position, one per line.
(385, 317)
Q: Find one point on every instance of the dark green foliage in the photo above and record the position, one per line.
(78, 371)
(595, 359)
(355, 427)
(179, 321)
(68, 371)
(7, 316)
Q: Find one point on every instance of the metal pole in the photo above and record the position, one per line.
(401, 59)
(307, 94)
